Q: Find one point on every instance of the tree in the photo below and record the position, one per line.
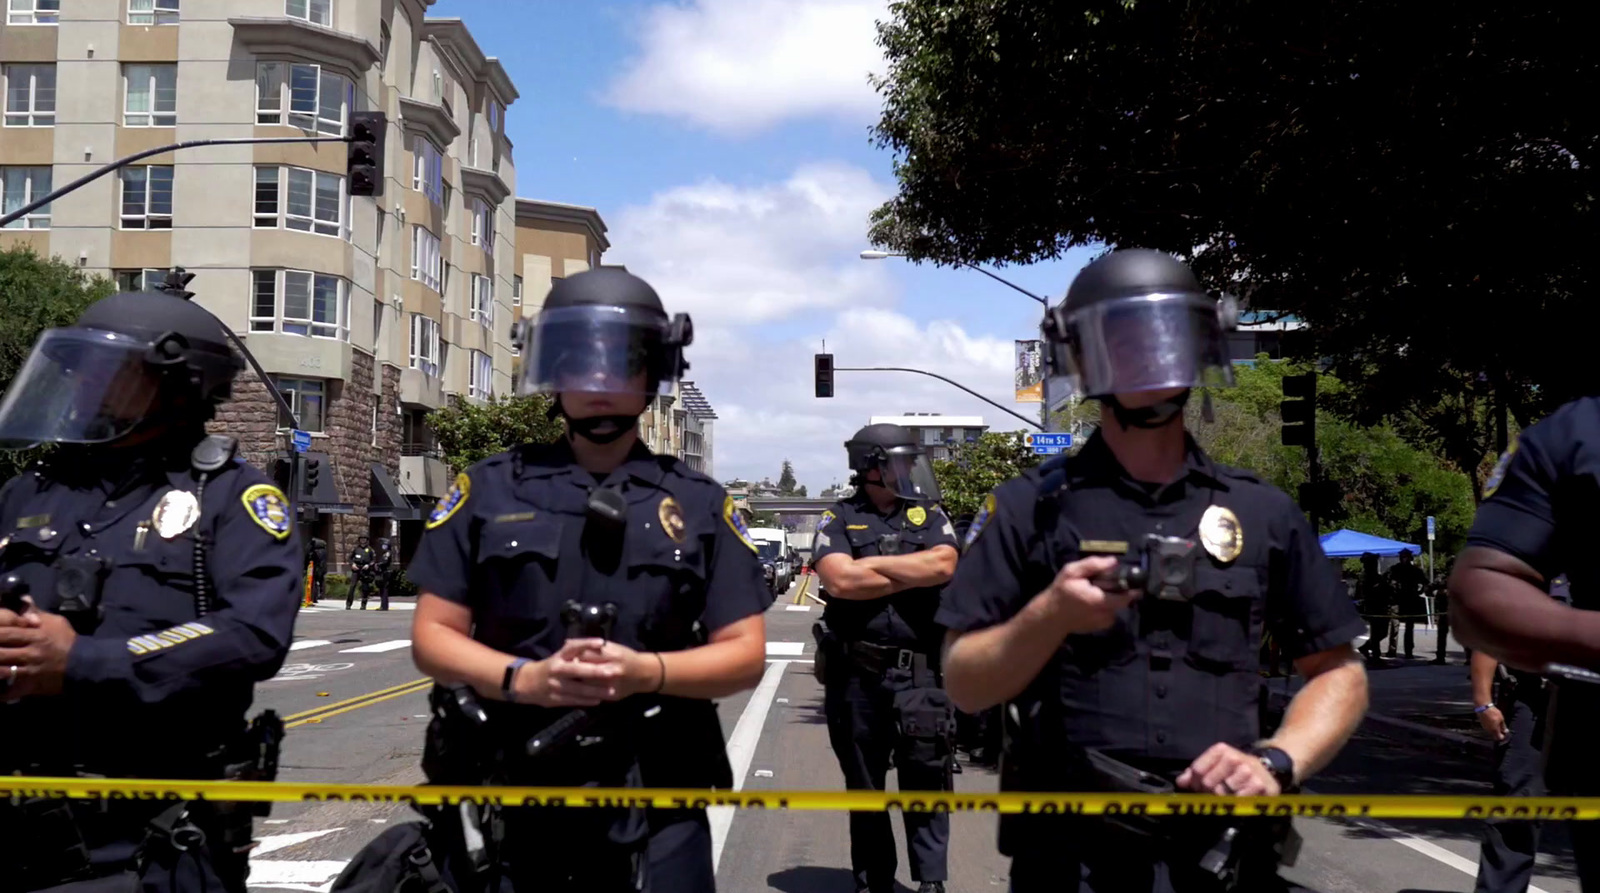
(786, 479)
(469, 433)
(36, 293)
(1417, 189)
(977, 468)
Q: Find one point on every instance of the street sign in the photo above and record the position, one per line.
(302, 441)
(1430, 527)
(1048, 444)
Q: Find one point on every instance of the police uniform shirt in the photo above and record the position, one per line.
(154, 687)
(1169, 679)
(507, 542)
(853, 527)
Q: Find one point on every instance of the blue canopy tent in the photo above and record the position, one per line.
(1351, 544)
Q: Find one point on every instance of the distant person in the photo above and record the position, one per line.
(1409, 583)
(1377, 602)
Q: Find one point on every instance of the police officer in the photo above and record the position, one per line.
(151, 579)
(528, 544)
(1535, 522)
(1115, 600)
(385, 573)
(319, 567)
(364, 565)
(884, 554)
(1408, 583)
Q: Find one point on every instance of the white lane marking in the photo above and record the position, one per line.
(309, 643)
(742, 749)
(379, 648)
(797, 607)
(785, 649)
(311, 877)
(277, 842)
(1418, 845)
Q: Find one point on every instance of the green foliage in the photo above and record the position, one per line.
(764, 519)
(786, 481)
(978, 468)
(36, 293)
(1390, 487)
(1415, 188)
(469, 433)
(334, 586)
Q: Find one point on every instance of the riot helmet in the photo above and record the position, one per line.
(1138, 320)
(603, 330)
(901, 462)
(132, 359)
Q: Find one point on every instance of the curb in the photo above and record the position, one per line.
(1406, 725)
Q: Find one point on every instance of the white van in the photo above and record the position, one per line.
(772, 545)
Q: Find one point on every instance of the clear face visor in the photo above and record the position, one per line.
(1148, 343)
(78, 386)
(907, 474)
(612, 350)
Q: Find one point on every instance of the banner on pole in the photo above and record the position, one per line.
(1030, 372)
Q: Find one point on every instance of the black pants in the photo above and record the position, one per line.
(863, 726)
(1411, 636)
(678, 853)
(1100, 859)
(1505, 861)
(1373, 646)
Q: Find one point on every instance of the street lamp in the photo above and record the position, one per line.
(874, 254)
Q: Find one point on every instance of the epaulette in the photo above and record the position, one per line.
(1241, 474)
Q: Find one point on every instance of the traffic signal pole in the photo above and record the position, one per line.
(1299, 412)
(825, 370)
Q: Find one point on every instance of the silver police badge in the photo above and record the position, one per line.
(175, 513)
(1221, 534)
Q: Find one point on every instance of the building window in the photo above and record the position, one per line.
(139, 280)
(30, 95)
(307, 398)
(150, 96)
(516, 291)
(480, 375)
(425, 345)
(383, 49)
(427, 169)
(317, 12)
(425, 257)
(482, 299)
(21, 186)
(152, 12)
(483, 225)
(495, 114)
(147, 197)
(34, 12)
(301, 199)
(300, 302)
(317, 99)
(472, 140)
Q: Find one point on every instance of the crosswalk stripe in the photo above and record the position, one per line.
(378, 648)
(312, 876)
(785, 649)
(309, 643)
(274, 842)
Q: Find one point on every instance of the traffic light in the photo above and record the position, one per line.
(364, 158)
(1299, 410)
(313, 472)
(1321, 499)
(824, 375)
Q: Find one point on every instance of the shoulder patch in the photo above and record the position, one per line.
(451, 502)
(828, 517)
(917, 515)
(984, 516)
(735, 522)
(1499, 473)
(268, 508)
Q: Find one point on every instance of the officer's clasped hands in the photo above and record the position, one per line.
(33, 652)
(572, 677)
(1229, 771)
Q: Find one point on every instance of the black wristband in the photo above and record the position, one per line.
(510, 676)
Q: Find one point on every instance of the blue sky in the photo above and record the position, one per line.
(725, 143)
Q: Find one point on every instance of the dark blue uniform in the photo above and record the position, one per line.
(507, 542)
(883, 693)
(1170, 678)
(1539, 506)
(153, 689)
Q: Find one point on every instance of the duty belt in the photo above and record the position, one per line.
(879, 658)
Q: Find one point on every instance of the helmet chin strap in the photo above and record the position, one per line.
(589, 429)
(1158, 415)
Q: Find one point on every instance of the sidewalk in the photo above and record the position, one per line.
(1416, 693)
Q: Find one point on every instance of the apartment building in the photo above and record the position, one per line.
(938, 434)
(367, 312)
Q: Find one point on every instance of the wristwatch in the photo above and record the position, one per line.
(1279, 763)
(511, 675)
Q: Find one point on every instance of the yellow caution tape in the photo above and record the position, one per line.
(1391, 806)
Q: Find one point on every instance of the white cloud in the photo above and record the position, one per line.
(740, 66)
(754, 266)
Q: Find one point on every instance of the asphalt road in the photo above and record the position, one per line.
(777, 739)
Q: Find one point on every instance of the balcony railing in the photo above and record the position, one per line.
(429, 450)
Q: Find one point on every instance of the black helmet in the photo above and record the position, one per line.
(1138, 320)
(127, 356)
(894, 449)
(602, 330)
